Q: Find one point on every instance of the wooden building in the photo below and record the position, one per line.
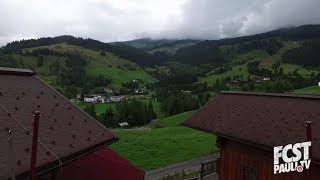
(70, 142)
(249, 125)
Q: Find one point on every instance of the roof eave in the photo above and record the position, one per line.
(197, 128)
(16, 71)
(260, 146)
(287, 94)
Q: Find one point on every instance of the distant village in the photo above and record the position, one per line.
(237, 84)
(110, 95)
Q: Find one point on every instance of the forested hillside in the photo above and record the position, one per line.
(123, 51)
(206, 51)
(72, 69)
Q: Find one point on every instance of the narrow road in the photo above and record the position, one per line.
(151, 123)
(187, 166)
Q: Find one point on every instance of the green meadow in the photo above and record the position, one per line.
(309, 90)
(99, 107)
(156, 147)
(119, 76)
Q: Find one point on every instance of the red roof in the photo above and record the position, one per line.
(102, 164)
(262, 119)
(64, 131)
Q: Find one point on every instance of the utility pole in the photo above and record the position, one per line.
(34, 145)
(11, 156)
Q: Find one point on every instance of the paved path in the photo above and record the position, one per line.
(187, 166)
(147, 126)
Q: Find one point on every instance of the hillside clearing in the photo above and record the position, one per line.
(119, 76)
(266, 61)
(95, 58)
(239, 70)
(172, 49)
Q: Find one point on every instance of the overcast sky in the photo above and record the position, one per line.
(119, 20)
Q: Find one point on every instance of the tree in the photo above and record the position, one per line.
(281, 71)
(85, 90)
(108, 119)
(91, 110)
(71, 92)
(102, 53)
(40, 61)
(217, 85)
(134, 112)
(178, 103)
(203, 98)
(279, 86)
(306, 55)
(151, 113)
(276, 65)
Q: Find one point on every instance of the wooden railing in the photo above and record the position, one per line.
(209, 168)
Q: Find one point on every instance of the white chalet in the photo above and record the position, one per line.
(108, 90)
(123, 124)
(94, 98)
(117, 98)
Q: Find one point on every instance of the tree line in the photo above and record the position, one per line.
(134, 112)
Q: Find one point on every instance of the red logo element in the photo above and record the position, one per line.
(300, 168)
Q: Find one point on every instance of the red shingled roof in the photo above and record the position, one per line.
(102, 164)
(64, 130)
(262, 119)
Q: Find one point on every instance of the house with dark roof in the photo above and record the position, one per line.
(68, 140)
(249, 125)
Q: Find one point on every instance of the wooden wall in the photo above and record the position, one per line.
(234, 155)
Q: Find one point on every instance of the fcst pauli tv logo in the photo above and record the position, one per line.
(295, 157)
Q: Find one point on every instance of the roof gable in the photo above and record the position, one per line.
(64, 130)
(260, 118)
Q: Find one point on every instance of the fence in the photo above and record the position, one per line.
(209, 168)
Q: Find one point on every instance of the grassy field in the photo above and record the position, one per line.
(175, 120)
(156, 147)
(119, 76)
(171, 49)
(309, 90)
(236, 70)
(100, 107)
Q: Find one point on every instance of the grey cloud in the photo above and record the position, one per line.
(214, 19)
(116, 20)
